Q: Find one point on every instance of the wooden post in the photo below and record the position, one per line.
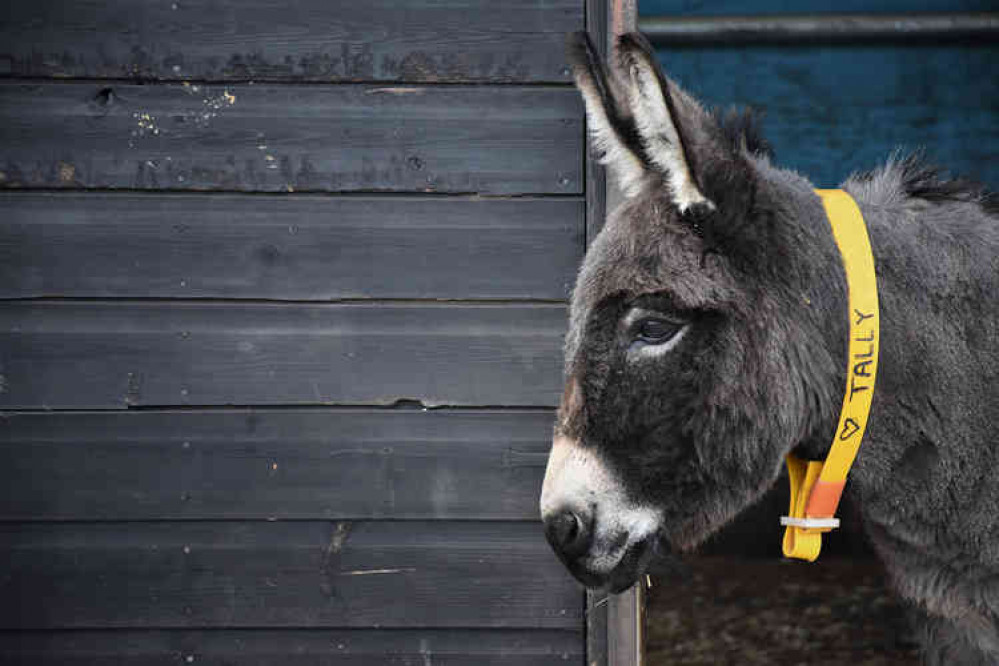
(613, 622)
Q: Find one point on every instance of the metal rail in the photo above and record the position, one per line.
(821, 28)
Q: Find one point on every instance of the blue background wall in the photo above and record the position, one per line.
(832, 109)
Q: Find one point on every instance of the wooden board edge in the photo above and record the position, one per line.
(613, 623)
(614, 635)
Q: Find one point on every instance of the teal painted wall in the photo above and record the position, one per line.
(829, 110)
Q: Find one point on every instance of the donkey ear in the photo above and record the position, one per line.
(612, 130)
(668, 120)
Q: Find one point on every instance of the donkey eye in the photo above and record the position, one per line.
(656, 331)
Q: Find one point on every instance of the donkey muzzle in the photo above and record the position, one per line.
(601, 536)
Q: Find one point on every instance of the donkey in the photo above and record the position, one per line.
(708, 339)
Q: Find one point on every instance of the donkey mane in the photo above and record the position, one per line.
(742, 129)
(914, 177)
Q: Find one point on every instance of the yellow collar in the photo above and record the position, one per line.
(816, 486)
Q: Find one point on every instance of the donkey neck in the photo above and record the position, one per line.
(931, 439)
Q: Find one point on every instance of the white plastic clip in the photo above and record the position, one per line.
(813, 523)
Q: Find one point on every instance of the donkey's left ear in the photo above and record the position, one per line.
(672, 126)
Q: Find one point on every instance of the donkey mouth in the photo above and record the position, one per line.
(632, 563)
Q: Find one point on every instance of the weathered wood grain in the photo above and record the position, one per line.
(283, 574)
(477, 139)
(295, 647)
(278, 247)
(832, 110)
(302, 40)
(283, 464)
(115, 355)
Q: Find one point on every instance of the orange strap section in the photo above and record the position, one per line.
(816, 487)
(824, 498)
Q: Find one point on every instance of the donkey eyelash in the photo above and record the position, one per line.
(655, 307)
(656, 331)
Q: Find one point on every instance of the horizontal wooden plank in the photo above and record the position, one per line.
(825, 121)
(262, 464)
(302, 40)
(283, 574)
(279, 247)
(315, 464)
(120, 354)
(746, 8)
(295, 647)
(478, 139)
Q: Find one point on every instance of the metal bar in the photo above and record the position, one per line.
(821, 28)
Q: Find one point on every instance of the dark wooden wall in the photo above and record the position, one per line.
(283, 291)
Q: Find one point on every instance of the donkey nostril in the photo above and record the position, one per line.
(568, 533)
(566, 528)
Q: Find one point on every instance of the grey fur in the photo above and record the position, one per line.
(701, 432)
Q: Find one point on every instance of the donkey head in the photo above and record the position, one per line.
(707, 328)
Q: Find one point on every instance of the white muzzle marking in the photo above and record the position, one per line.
(577, 480)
